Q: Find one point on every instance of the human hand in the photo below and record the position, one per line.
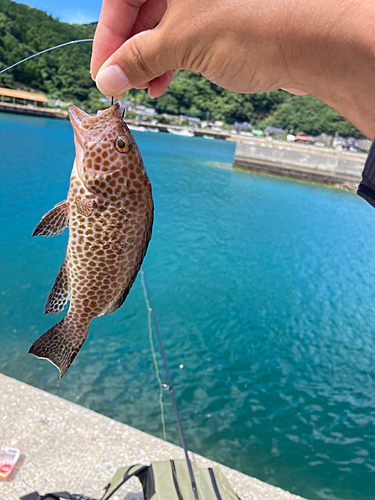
(326, 49)
(232, 43)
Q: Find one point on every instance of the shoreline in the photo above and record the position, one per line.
(20, 109)
(340, 169)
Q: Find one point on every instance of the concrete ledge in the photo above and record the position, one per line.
(67, 447)
(7, 107)
(338, 170)
(297, 146)
(292, 172)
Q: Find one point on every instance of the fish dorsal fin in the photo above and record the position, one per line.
(59, 294)
(53, 222)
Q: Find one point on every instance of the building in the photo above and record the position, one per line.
(274, 131)
(303, 137)
(195, 122)
(144, 111)
(22, 97)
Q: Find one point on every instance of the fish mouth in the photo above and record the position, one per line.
(91, 130)
(86, 127)
(76, 117)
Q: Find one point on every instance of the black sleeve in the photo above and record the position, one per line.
(366, 188)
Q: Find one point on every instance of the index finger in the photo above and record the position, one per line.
(115, 24)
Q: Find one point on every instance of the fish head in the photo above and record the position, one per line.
(106, 152)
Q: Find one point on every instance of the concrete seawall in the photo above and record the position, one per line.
(7, 107)
(314, 164)
(68, 448)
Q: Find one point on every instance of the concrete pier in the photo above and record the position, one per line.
(325, 166)
(7, 107)
(68, 448)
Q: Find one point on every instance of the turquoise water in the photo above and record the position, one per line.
(264, 290)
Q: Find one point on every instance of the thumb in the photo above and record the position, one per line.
(142, 58)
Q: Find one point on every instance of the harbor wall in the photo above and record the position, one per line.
(342, 169)
(7, 107)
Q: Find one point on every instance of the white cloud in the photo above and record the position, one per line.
(72, 16)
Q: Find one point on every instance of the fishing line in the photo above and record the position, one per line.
(149, 310)
(46, 50)
(147, 296)
(171, 391)
(126, 104)
(57, 47)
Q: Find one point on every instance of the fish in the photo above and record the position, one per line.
(109, 211)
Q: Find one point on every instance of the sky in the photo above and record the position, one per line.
(69, 11)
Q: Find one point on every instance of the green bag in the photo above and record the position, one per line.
(170, 480)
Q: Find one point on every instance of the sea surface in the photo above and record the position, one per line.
(264, 290)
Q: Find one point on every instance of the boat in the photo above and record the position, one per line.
(184, 132)
(205, 136)
(152, 129)
(139, 128)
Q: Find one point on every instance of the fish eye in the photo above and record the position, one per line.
(122, 144)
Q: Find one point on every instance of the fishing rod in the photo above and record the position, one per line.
(170, 387)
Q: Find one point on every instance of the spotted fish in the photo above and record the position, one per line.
(109, 210)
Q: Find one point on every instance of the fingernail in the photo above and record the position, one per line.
(166, 79)
(112, 81)
(149, 90)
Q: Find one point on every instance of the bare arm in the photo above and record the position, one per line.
(324, 48)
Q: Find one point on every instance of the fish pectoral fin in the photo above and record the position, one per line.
(59, 294)
(53, 222)
(61, 343)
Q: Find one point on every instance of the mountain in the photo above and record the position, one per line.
(64, 74)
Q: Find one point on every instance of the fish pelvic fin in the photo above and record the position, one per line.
(53, 222)
(61, 343)
(59, 294)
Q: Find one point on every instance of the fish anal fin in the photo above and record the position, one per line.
(61, 343)
(53, 222)
(59, 294)
(121, 297)
(117, 302)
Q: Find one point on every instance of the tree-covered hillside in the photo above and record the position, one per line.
(64, 74)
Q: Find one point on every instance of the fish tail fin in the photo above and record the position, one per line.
(61, 343)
